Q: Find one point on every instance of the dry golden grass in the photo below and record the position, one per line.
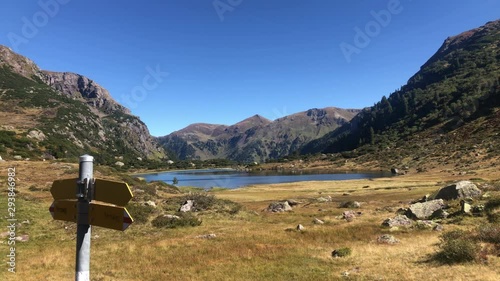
(251, 245)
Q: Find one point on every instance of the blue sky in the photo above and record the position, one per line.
(177, 62)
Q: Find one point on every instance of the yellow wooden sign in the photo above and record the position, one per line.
(64, 210)
(114, 192)
(64, 189)
(109, 216)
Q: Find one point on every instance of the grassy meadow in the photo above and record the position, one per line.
(251, 243)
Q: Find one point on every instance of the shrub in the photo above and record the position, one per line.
(457, 247)
(489, 233)
(140, 213)
(181, 220)
(341, 252)
(492, 208)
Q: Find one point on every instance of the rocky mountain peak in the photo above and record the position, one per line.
(78, 86)
(19, 64)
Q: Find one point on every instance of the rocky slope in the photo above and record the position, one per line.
(255, 138)
(70, 114)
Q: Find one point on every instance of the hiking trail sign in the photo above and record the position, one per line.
(88, 201)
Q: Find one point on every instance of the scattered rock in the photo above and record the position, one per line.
(440, 214)
(465, 207)
(172, 217)
(459, 190)
(36, 134)
(318, 221)
(425, 210)
(424, 224)
(150, 203)
(324, 199)
(279, 207)
(187, 206)
(207, 236)
(300, 227)
(438, 227)
(23, 238)
(293, 202)
(119, 164)
(350, 204)
(349, 215)
(387, 239)
(400, 220)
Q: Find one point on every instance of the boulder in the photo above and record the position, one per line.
(150, 203)
(400, 220)
(459, 190)
(350, 204)
(318, 221)
(425, 210)
(119, 164)
(18, 157)
(279, 207)
(37, 135)
(174, 217)
(187, 206)
(440, 214)
(293, 202)
(387, 239)
(395, 171)
(300, 227)
(465, 207)
(349, 215)
(207, 236)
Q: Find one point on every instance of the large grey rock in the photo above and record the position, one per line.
(461, 189)
(349, 215)
(279, 207)
(36, 134)
(387, 239)
(187, 207)
(425, 210)
(318, 221)
(400, 220)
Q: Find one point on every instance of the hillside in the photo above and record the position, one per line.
(51, 115)
(255, 138)
(448, 111)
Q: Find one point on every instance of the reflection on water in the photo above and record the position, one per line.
(229, 178)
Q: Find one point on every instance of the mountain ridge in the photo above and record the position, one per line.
(255, 138)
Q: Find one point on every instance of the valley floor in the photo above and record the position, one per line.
(252, 244)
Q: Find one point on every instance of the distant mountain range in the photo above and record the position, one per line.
(255, 138)
(47, 114)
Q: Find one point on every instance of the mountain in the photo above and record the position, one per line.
(47, 114)
(255, 138)
(455, 93)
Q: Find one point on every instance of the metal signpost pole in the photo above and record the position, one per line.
(83, 232)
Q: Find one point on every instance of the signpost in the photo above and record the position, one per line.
(88, 201)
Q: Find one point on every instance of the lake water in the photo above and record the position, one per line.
(209, 178)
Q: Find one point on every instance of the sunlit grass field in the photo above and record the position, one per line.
(252, 244)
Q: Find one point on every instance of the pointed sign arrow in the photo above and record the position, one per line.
(64, 189)
(64, 210)
(114, 192)
(109, 216)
